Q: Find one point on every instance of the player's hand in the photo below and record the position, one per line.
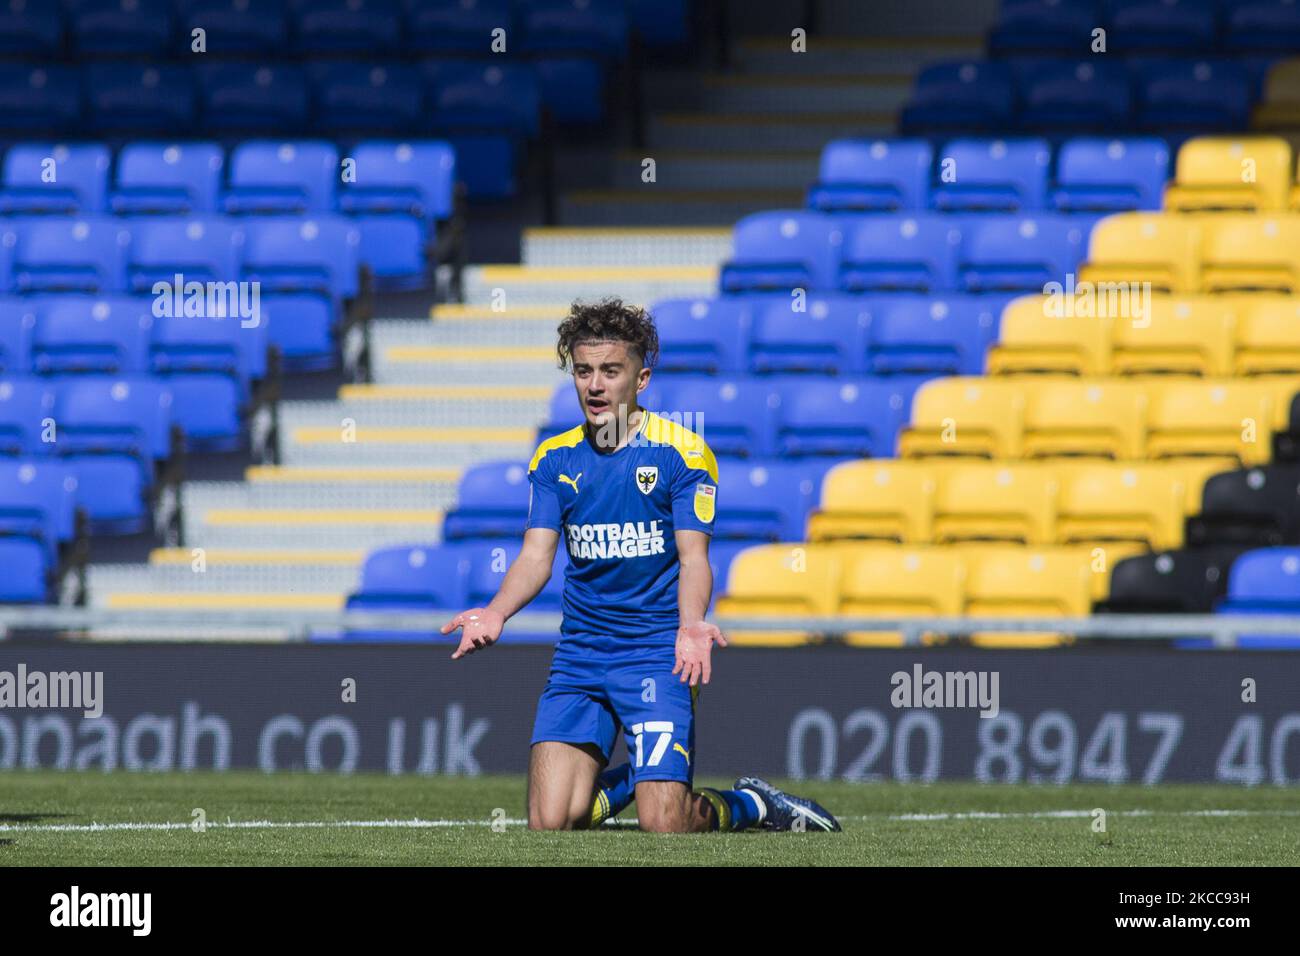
(482, 628)
(694, 643)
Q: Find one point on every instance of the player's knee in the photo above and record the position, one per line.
(663, 818)
(550, 819)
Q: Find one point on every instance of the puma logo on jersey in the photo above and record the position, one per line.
(683, 751)
(571, 481)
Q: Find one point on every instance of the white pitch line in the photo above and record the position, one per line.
(421, 824)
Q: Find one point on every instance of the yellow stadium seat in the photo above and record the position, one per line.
(1121, 501)
(893, 581)
(964, 416)
(1026, 582)
(1268, 337)
(1042, 334)
(882, 499)
(780, 580)
(988, 501)
(1243, 174)
(1280, 105)
(1192, 336)
(1136, 247)
(1251, 253)
(1282, 389)
(1097, 418)
(1230, 418)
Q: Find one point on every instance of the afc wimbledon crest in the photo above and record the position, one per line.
(647, 478)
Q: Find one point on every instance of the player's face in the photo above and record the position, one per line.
(607, 375)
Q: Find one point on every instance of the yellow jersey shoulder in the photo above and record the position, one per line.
(563, 440)
(695, 453)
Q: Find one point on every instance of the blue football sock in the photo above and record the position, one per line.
(614, 791)
(735, 809)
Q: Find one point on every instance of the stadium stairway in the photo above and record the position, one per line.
(730, 142)
(379, 464)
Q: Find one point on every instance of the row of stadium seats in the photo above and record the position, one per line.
(1223, 252)
(117, 433)
(783, 250)
(973, 175)
(1215, 336)
(1118, 418)
(212, 364)
(396, 194)
(42, 530)
(1066, 26)
(794, 579)
(160, 28)
(306, 271)
(1090, 175)
(1159, 95)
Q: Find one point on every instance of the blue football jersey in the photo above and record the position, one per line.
(616, 514)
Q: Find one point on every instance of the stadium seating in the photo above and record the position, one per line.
(880, 176)
(992, 175)
(168, 179)
(1120, 175)
(1218, 173)
(48, 179)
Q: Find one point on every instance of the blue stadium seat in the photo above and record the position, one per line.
(167, 179)
(417, 578)
(842, 417)
(269, 178)
(1156, 26)
(829, 336)
(248, 97)
(1092, 95)
(53, 178)
(701, 335)
(31, 30)
(661, 23)
(783, 250)
(400, 192)
(237, 26)
(488, 562)
(202, 249)
(456, 26)
(24, 580)
(881, 176)
(900, 254)
(26, 411)
(1044, 26)
(371, 27)
(70, 255)
(1266, 581)
(487, 111)
(1099, 175)
(765, 501)
(209, 364)
(371, 97)
(140, 99)
(17, 321)
(38, 502)
(78, 334)
(925, 335)
(1193, 95)
(1262, 26)
(969, 96)
(1019, 253)
(116, 27)
(571, 43)
(306, 269)
(491, 502)
(992, 175)
(113, 431)
(39, 100)
(733, 414)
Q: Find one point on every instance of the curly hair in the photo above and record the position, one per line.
(609, 320)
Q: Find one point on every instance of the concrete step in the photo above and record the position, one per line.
(701, 171)
(894, 58)
(527, 285)
(767, 133)
(802, 94)
(619, 246)
(655, 205)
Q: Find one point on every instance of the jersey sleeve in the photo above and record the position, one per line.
(695, 489)
(543, 496)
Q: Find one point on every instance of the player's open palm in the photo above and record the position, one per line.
(694, 646)
(482, 628)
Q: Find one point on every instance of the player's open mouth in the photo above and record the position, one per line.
(598, 405)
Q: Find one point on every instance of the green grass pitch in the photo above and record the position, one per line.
(50, 818)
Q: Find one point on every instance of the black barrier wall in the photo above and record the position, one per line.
(1053, 716)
